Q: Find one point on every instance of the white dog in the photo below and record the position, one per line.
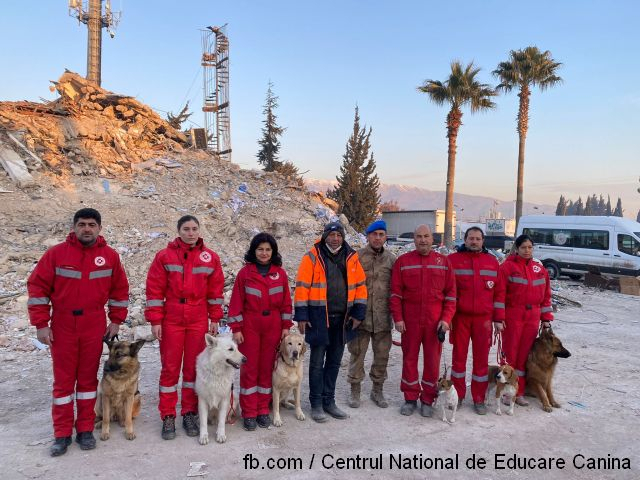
(215, 368)
(447, 398)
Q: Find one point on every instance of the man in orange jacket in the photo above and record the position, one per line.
(422, 302)
(330, 303)
(68, 290)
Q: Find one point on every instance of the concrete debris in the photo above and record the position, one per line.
(88, 131)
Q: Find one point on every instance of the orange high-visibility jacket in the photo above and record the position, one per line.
(310, 299)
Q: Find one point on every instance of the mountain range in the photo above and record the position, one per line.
(469, 208)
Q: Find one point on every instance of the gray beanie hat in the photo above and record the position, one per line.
(332, 227)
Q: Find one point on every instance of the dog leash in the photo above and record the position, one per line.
(231, 414)
(500, 355)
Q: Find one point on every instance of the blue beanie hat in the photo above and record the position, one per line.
(377, 225)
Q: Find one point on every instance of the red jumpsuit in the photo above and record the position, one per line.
(523, 299)
(184, 286)
(77, 281)
(423, 292)
(260, 308)
(476, 276)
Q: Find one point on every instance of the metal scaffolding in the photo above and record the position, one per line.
(215, 63)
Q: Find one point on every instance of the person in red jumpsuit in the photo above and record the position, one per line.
(422, 302)
(184, 301)
(259, 316)
(476, 274)
(523, 301)
(68, 290)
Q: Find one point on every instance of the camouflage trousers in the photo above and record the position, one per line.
(381, 344)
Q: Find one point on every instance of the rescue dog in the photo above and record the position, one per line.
(118, 395)
(447, 399)
(506, 380)
(215, 368)
(541, 364)
(287, 376)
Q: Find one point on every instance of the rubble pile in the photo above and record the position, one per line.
(89, 130)
(139, 218)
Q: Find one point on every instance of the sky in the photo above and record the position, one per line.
(324, 58)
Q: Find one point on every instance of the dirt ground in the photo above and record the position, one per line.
(598, 388)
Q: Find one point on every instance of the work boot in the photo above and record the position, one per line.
(86, 440)
(249, 424)
(409, 407)
(169, 427)
(480, 408)
(263, 420)
(426, 410)
(354, 399)
(334, 411)
(59, 446)
(190, 423)
(523, 402)
(318, 414)
(378, 397)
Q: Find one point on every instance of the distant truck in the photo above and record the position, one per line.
(573, 245)
(400, 225)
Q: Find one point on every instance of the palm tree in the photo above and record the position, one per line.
(460, 89)
(524, 69)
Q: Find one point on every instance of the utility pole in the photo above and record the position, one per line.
(95, 21)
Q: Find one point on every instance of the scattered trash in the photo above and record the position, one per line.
(235, 203)
(214, 194)
(38, 344)
(168, 163)
(155, 235)
(106, 186)
(242, 188)
(576, 404)
(197, 469)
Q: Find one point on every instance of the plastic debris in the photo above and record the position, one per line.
(576, 404)
(197, 469)
(38, 344)
(106, 186)
(242, 188)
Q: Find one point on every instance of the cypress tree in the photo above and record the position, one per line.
(618, 211)
(608, 212)
(588, 208)
(579, 207)
(602, 208)
(357, 188)
(561, 208)
(271, 133)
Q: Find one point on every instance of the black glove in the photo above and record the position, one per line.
(441, 334)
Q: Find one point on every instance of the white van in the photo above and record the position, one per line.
(572, 244)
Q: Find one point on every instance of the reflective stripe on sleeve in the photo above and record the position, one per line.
(303, 284)
(173, 268)
(38, 301)
(118, 303)
(286, 316)
(237, 318)
(197, 270)
(546, 309)
(396, 295)
(155, 303)
(311, 256)
(252, 291)
(318, 285)
(215, 301)
(63, 400)
(100, 274)
(538, 281)
(409, 267)
(64, 272)
(86, 395)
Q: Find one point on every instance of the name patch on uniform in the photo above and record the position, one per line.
(205, 257)
(536, 268)
(99, 261)
(274, 276)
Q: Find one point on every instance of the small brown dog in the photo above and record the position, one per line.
(541, 363)
(287, 376)
(506, 380)
(118, 396)
(447, 399)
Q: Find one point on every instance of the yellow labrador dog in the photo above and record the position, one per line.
(287, 375)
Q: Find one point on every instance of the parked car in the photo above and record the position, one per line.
(496, 242)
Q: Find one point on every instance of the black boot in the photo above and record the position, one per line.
(169, 427)
(334, 411)
(59, 446)
(263, 421)
(190, 423)
(86, 440)
(249, 424)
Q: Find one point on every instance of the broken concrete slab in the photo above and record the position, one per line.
(15, 167)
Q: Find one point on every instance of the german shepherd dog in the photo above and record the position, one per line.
(541, 363)
(118, 395)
